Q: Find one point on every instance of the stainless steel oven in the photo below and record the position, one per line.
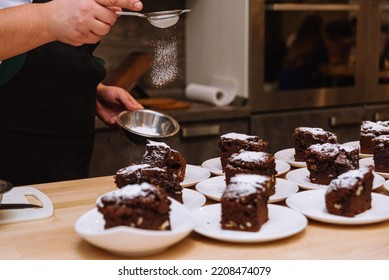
(316, 54)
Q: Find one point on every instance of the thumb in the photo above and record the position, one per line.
(135, 5)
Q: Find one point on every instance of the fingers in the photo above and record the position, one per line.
(100, 26)
(130, 102)
(135, 5)
(105, 18)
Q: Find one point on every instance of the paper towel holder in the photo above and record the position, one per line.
(227, 84)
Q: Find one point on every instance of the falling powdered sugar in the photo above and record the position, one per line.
(165, 65)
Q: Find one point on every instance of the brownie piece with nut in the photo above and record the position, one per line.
(159, 154)
(129, 175)
(303, 137)
(370, 130)
(144, 173)
(244, 203)
(326, 162)
(232, 143)
(381, 153)
(350, 193)
(142, 206)
(249, 162)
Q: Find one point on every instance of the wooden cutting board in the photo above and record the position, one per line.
(163, 103)
(21, 195)
(131, 70)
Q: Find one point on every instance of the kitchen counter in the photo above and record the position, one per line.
(200, 112)
(55, 237)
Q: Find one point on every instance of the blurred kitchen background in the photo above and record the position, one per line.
(316, 63)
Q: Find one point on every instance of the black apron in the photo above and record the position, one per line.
(47, 115)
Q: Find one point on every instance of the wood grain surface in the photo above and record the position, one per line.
(55, 238)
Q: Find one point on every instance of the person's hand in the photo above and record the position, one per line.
(78, 22)
(111, 101)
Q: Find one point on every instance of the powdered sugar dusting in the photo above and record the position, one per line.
(130, 191)
(257, 181)
(327, 148)
(236, 190)
(313, 130)
(250, 156)
(165, 65)
(145, 130)
(132, 168)
(374, 128)
(162, 144)
(349, 178)
(316, 131)
(349, 148)
(331, 149)
(234, 135)
(252, 179)
(382, 137)
(381, 141)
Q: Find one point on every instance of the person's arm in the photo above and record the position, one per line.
(75, 22)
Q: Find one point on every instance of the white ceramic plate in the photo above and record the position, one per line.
(312, 204)
(370, 161)
(282, 167)
(215, 167)
(356, 144)
(300, 177)
(386, 185)
(193, 199)
(214, 187)
(193, 175)
(287, 155)
(129, 241)
(283, 222)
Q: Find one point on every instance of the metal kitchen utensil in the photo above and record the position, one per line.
(9, 206)
(162, 19)
(142, 125)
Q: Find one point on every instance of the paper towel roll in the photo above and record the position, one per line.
(211, 94)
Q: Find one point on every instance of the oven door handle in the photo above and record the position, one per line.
(313, 7)
(351, 119)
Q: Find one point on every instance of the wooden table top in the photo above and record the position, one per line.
(55, 238)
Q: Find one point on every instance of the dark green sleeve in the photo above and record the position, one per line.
(99, 60)
(10, 67)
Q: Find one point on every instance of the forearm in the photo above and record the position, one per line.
(23, 28)
(73, 22)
